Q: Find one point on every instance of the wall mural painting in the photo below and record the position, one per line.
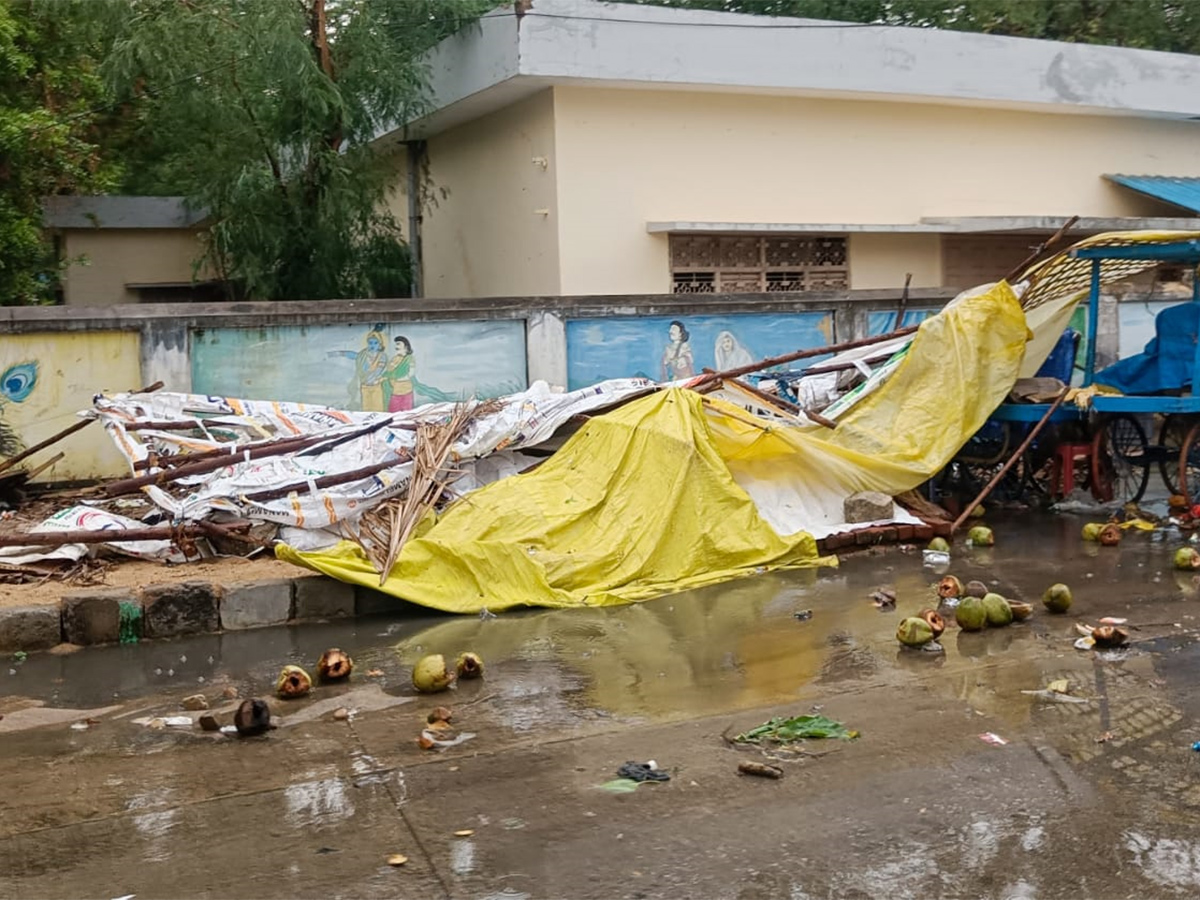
(385, 367)
(882, 321)
(669, 349)
(17, 382)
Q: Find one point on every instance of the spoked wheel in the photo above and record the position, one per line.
(1171, 437)
(1120, 466)
(1189, 465)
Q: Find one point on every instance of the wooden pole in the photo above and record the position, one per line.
(327, 480)
(112, 535)
(800, 354)
(903, 300)
(1041, 248)
(1011, 461)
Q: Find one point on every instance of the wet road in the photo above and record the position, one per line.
(1097, 798)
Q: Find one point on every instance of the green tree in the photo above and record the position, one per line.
(266, 115)
(1172, 25)
(49, 89)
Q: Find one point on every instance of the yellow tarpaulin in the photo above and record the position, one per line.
(674, 490)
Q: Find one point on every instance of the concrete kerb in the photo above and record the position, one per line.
(98, 616)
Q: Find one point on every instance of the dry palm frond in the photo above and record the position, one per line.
(384, 530)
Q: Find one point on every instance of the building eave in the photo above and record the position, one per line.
(934, 225)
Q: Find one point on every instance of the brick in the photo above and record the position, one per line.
(923, 532)
(943, 529)
(866, 537)
(904, 532)
(190, 607)
(369, 602)
(889, 535)
(30, 627)
(94, 617)
(320, 597)
(253, 604)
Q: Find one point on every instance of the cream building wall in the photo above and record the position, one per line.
(104, 260)
(495, 233)
(626, 157)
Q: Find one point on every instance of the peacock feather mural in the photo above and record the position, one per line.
(16, 384)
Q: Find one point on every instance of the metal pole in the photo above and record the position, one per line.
(1089, 366)
(416, 154)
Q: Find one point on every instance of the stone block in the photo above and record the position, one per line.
(252, 604)
(321, 597)
(30, 627)
(189, 607)
(867, 506)
(369, 602)
(94, 617)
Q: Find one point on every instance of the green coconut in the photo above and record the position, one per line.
(1091, 531)
(913, 632)
(977, 512)
(970, 614)
(977, 589)
(939, 544)
(430, 674)
(1186, 558)
(1057, 598)
(981, 536)
(998, 612)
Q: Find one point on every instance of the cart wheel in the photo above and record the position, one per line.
(1171, 437)
(1189, 465)
(1119, 467)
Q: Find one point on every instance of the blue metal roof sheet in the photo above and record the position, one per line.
(1181, 191)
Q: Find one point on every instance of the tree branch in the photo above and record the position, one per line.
(276, 169)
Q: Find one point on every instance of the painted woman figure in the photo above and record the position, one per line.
(370, 366)
(730, 353)
(677, 357)
(400, 374)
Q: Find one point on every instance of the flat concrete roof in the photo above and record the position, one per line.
(504, 58)
(118, 212)
(935, 225)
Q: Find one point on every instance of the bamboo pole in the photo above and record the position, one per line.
(112, 535)
(327, 480)
(1012, 460)
(1041, 248)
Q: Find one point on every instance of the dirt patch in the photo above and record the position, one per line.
(137, 573)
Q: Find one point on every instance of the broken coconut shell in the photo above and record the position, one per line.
(1020, 610)
(1091, 531)
(981, 536)
(936, 623)
(914, 632)
(469, 665)
(998, 612)
(976, 589)
(293, 682)
(949, 587)
(1110, 535)
(252, 717)
(1109, 636)
(430, 674)
(1057, 598)
(1187, 558)
(334, 665)
(970, 614)
(439, 714)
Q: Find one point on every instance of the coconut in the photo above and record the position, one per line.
(977, 512)
(469, 665)
(997, 610)
(936, 623)
(1020, 610)
(1091, 531)
(913, 632)
(252, 717)
(977, 589)
(1109, 636)
(293, 682)
(939, 545)
(1057, 598)
(430, 674)
(334, 665)
(1110, 535)
(981, 536)
(949, 587)
(1177, 501)
(1187, 558)
(970, 614)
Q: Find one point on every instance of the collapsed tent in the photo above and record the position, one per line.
(676, 490)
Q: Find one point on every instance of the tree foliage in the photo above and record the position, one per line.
(49, 88)
(1172, 25)
(264, 114)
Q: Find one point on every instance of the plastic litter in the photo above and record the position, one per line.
(639, 772)
(990, 737)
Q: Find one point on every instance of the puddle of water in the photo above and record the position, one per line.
(462, 857)
(317, 802)
(1165, 861)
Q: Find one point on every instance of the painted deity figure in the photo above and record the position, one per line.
(677, 362)
(370, 369)
(400, 376)
(730, 353)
